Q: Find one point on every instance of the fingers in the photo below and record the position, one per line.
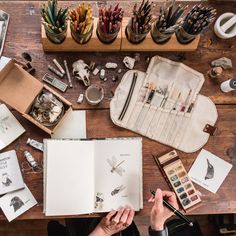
(130, 217)
(125, 216)
(110, 215)
(171, 197)
(118, 215)
(158, 199)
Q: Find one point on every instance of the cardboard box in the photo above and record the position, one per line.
(19, 90)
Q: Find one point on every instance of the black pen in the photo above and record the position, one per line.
(176, 212)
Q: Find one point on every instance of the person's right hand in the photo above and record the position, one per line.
(160, 213)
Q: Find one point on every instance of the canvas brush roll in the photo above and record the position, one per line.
(165, 105)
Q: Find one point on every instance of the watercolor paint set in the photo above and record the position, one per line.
(177, 177)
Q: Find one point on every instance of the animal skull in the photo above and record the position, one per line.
(81, 71)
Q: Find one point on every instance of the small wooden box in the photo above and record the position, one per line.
(149, 45)
(70, 45)
(19, 90)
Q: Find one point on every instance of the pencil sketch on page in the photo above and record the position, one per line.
(117, 190)
(99, 201)
(115, 166)
(4, 124)
(210, 171)
(6, 181)
(17, 203)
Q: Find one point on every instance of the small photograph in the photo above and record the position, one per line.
(6, 181)
(209, 171)
(16, 203)
(4, 19)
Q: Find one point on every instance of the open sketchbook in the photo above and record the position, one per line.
(86, 176)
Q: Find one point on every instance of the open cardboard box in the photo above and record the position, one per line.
(19, 90)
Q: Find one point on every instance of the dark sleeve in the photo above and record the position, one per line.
(152, 232)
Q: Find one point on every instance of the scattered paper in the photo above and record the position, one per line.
(10, 128)
(16, 203)
(209, 171)
(72, 127)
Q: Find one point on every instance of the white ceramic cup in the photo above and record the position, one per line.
(94, 94)
(225, 26)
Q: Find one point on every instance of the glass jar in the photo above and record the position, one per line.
(81, 38)
(106, 37)
(134, 37)
(54, 37)
(184, 37)
(159, 37)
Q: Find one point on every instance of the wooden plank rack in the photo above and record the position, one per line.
(119, 44)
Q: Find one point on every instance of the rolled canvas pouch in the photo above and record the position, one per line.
(165, 105)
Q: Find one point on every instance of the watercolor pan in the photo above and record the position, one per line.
(177, 177)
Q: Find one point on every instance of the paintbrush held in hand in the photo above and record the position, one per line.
(199, 18)
(81, 19)
(110, 19)
(168, 18)
(142, 20)
(54, 20)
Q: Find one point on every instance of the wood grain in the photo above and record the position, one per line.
(28, 39)
(24, 35)
(222, 202)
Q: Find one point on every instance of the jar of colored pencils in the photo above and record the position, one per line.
(109, 23)
(105, 36)
(158, 36)
(54, 21)
(183, 37)
(140, 22)
(81, 36)
(135, 36)
(81, 23)
(56, 37)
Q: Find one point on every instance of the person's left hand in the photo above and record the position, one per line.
(114, 222)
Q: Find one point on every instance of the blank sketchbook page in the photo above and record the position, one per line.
(121, 186)
(69, 177)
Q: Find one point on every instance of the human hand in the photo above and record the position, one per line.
(159, 213)
(114, 222)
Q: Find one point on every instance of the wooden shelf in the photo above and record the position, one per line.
(120, 44)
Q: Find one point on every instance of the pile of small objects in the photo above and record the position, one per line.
(47, 109)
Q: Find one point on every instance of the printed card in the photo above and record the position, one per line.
(209, 171)
(10, 128)
(16, 203)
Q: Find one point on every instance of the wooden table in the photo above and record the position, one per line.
(24, 35)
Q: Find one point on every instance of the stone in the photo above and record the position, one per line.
(80, 98)
(215, 72)
(102, 74)
(111, 65)
(129, 62)
(224, 62)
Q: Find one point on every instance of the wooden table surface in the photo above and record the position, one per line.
(24, 36)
